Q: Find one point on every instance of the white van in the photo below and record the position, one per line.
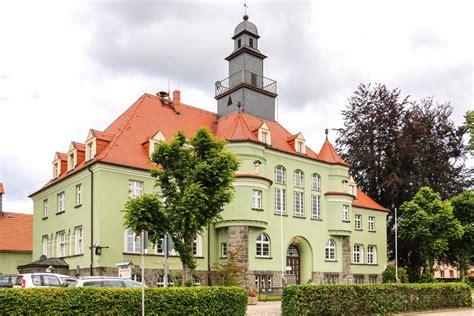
(40, 279)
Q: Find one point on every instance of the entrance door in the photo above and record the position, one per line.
(293, 261)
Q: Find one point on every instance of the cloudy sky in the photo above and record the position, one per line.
(67, 66)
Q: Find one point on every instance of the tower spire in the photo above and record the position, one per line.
(246, 17)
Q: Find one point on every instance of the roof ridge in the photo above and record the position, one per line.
(186, 105)
(107, 149)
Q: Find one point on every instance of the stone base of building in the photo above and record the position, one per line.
(344, 278)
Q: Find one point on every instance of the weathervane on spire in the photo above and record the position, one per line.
(326, 131)
(246, 17)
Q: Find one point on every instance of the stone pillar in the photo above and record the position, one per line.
(346, 259)
(239, 243)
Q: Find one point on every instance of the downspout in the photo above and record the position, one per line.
(92, 220)
(208, 254)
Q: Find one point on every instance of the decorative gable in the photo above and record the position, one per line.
(264, 134)
(91, 145)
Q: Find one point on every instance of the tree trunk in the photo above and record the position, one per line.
(187, 269)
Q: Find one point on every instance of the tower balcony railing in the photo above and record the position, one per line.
(247, 77)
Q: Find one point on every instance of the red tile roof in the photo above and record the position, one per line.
(328, 154)
(364, 201)
(16, 232)
(2, 190)
(125, 136)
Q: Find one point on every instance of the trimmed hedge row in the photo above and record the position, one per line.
(366, 299)
(87, 301)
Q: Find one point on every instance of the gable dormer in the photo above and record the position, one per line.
(264, 134)
(59, 164)
(75, 155)
(153, 141)
(298, 143)
(351, 187)
(95, 143)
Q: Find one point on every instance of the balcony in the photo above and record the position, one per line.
(246, 77)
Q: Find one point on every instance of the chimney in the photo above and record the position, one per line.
(1, 199)
(177, 101)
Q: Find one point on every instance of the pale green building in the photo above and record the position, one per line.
(297, 215)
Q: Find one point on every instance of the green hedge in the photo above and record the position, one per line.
(87, 301)
(366, 299)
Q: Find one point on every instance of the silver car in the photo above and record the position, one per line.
(104, 281)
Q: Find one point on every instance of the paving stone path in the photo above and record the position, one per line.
(264, 309)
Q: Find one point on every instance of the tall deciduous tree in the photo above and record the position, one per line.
(469, 126)
(428, 225)
(461, 251)
(194, 181)
(396, 146)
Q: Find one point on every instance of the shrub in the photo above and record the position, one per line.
(366, 299)
(388, 276)
(88, 301)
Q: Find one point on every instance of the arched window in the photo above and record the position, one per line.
(298, 178)
(280, 174)
(330, 250)
(316, 182)
(371, 254)
(263, 245)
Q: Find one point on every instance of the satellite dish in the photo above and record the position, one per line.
(218, 84)
(43, 257)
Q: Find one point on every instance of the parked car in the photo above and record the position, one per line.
(104, 281)
(7, 280)
(27, 280)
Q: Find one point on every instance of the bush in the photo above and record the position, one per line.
(388, 276)
(366, 299)
(88, 301)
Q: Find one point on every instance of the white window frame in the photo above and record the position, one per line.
(300, 146)
(280, 174)
(345, 213)
(265, 137)
(45, 208)
(262, 244)
(371, 223)
(330, 250)
(372, 254)
(90, 150)
(45, 245)
(79, 194)
(298, 209)
(298, 178)
(358, 254)
(133, 241)
(78, 241)
(315, 206)
(61, 242)
(57, 169)
(135, 188)
(61, 202)
(197, 246)
(223, 250)
(71, 161)
(280, 201)
(358, 221)
(257, 199)
(316, 182)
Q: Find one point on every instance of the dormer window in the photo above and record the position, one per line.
(89, 151)
(154, 141)
(300, 146)
(56, 169)
(264, 134)
(71, 161)
(298, 143)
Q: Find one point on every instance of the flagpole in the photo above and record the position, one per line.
(396, 247)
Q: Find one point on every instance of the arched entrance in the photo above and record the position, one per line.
(293, 262)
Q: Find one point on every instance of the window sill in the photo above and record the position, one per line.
(358, 229)
(298, 216)
(316, 190)
(298, 187)
(44, 218)
(223, 257)
(279, 214)
(326, 260)
(364, 264)
(257, 209)
(77, 206)
(345, 221)
(262, 257)
(59, 213)
(316, 219)
(372, 231)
